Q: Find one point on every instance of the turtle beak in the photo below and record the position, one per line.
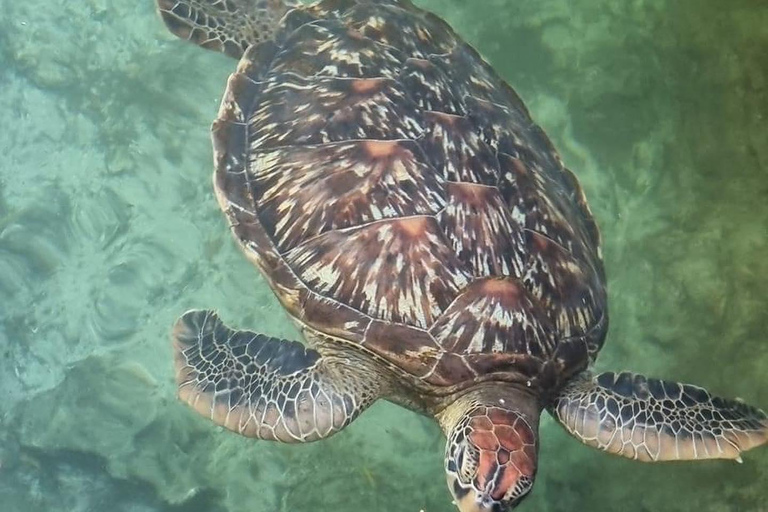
(474, 503)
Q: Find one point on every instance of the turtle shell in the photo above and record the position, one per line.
(397, 195)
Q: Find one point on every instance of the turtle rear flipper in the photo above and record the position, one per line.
(260, 386)
(655, 420)
(228, 26)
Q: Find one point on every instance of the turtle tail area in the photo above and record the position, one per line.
(656, 420)
(227, 26)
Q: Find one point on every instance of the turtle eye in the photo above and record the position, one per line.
(467, 460)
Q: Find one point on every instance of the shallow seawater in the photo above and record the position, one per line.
(109, 229)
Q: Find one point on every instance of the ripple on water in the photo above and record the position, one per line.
(132, 286)
(31, 245)
(100, 219)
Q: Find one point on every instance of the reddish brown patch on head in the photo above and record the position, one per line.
(486, 440)
(507, 450)
(507, 480)
(509, 437)
(526, 435)
(481, 423)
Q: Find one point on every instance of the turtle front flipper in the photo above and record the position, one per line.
(228, 26)
(263, 387)
(655, 420)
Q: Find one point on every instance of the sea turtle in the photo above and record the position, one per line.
(428, 241)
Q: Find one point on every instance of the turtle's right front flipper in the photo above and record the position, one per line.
(654, 420)
(263, 387)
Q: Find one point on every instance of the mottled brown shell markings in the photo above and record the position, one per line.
(457, 152)
(510, 131)
(495, 315)
(294, 110)
(396, 194)
(413, 33)
(409, 348)
(470, 76)
(534, 203)
(430, 87)
(396, 270)
(482, 232)
(583, 218)
(306, 192)
(567, 288)
(330, 49)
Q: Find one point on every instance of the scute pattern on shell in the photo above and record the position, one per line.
(396, 193)
(399, 271)
(341, 185)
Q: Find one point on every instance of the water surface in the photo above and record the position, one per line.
(109, 229)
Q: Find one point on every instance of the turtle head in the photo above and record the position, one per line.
(491, 456)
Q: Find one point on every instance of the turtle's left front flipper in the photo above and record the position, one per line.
(654, 420)
(264, 387)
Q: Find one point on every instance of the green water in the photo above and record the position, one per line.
(109, 229)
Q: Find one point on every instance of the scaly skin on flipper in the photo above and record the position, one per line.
(228, 26)
(264, 387)
(654, 420)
